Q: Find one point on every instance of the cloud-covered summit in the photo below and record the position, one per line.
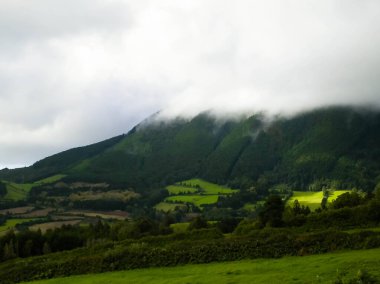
(76, 72)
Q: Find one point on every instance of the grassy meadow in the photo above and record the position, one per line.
(195, 191)
(180, 227)
(208, 187)
(179, 189)
(313, 199)
(19, 191)
(197, 200)
(325, 268)
(11, 223)
(307, 198)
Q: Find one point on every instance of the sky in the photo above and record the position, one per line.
(76, 72)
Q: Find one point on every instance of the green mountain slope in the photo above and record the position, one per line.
(337, 145)
(57, 163)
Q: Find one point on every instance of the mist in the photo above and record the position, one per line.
(74, 73)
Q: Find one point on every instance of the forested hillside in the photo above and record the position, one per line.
(337, 147)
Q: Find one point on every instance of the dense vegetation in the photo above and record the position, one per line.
(344, 267)
(57, 163)
(335, 147)
(308, 184)
(277, 231)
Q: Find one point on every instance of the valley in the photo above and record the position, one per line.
(201, 191)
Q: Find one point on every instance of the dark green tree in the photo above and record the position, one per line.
(271, 215)
(198, 223)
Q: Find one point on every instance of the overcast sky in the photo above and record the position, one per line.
(75, 72)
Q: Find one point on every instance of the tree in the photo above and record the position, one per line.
(198, 223)
(296, 207)
(46, 248)
(3, 189)
(347, 200)
(9, 251)
(271, 215)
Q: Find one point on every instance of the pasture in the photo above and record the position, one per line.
(313, 199)
(307, 198)
(179, 189)
(197, 200)
(19, 191)
(208, 187)
(195, 191)
(11, 223)
(166, 207)
(325, 268)
(51, 179)
(180, 227)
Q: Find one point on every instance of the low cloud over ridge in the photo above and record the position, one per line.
(77, 72)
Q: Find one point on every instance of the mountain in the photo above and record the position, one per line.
(335, 146)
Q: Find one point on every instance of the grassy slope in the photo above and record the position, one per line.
(307, 269)
(313, 199)
(179, 189)
(197, 200)
(208, 187)
(19, 191)
(209, 193)
(180, 227)
(11, 223)
(308, 198)
(166, 207)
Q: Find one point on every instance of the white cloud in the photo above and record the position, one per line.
(76, 72)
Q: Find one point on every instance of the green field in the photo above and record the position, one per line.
(166, 207)
(208, 187)
(195, 191)
(197, 200)
(180, 227)
(48, 180)
(307, 198)
(179, 189)
(19, 191)
(10, 223)
(313, 199)
(307, 269)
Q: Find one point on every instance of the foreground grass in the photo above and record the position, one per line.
(308, 269)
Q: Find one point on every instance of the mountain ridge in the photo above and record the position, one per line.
(338, 145)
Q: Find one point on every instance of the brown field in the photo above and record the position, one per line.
(117, 214)
(65, 217)
(53, 225)
(38, 213)
(17, 210)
